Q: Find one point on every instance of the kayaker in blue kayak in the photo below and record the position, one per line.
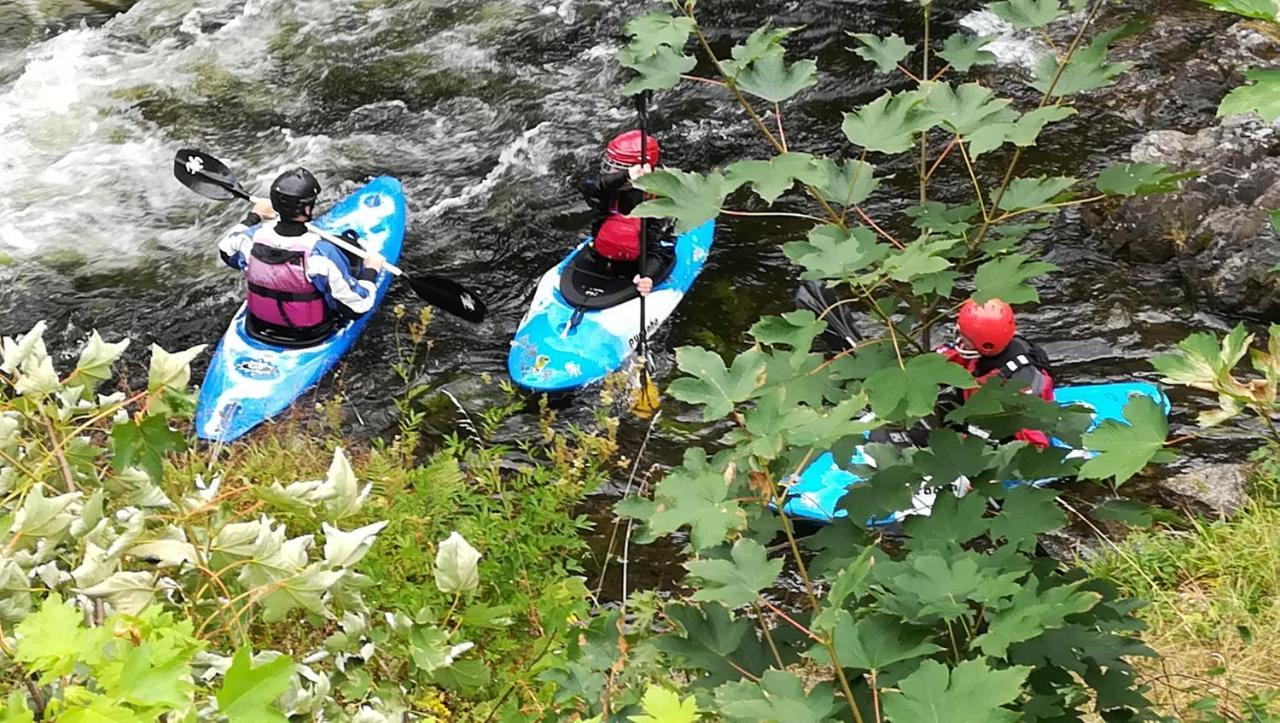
(987, 345)
(300, 285)
(615, 248)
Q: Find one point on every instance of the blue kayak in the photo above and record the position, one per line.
(249, 381)
(816, 493)
(564, 342)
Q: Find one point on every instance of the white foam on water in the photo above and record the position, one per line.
(528, 154)
(1010, 46)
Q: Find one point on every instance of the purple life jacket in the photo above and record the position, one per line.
(280, 291)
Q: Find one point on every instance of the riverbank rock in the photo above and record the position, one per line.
(1219, 490)
(1217, 229)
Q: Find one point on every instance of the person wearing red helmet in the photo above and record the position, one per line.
(615, 248)
(988, 345)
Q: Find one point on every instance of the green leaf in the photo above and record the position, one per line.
(144, 444)
(762, 42)
(1128, 512)
(779, 696)
(690, 198)
(888, 124)
(1027, 14)
(142, 684)
(1201, 362)
(1263, 97)
(737, 581)
(920, 258)
(1140, 179)
(874, 643)
(969, 693)
(1032, 612)
(1256, 9)
(710, 639)
(950, 455)
(794, 329)
(96, 359)
(886, 53)
(1023, 132)
(1005, 277)
(1024, 193)
(1124, 449)
(51, 641)
(1026, 512)
(1088, 69)
(713, 385)
(964, 51)
(457, 565)
(658, 70)
(833, 253)
(896, 393)
(698, 496)
(848, 183)
(771, 178)
(86, 707)
(1275, 222)
(929, 585)
(664, 706)
(772, 79)
(967, 108)
(952, 520)
(849, 581)
(168, 380)
(652, 31)
(248, 693)
(15, 710)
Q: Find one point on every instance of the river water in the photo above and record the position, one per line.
(487, 111)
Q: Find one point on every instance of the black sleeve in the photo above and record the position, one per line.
(367, 274)
(600, 191)
(252, 219)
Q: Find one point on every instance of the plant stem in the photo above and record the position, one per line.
(708, 81)
(875, 694)
(924, 135)
(777, 117)
(777, 214)
(1048, 94)
(551, 638)
(768, 636)
(56, 445)
(779, 612)
(877, 228)
(977, 187)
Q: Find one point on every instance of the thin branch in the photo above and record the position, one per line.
(778, 611)
(942, 157)
(708, 81)
(768, 636)
(780, 214)
(977, 187)
(777, 117)
(1046, 207)
(877, 228)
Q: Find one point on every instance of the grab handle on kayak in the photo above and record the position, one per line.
(573, 322)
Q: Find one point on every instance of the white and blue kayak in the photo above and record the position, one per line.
(582, 326)
(815, 494)
(250, 381)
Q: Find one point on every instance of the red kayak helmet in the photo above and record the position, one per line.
(624, 151)
(987, 327)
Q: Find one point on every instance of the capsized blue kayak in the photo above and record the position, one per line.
(249, 381)
(560, 346)
(815, 494)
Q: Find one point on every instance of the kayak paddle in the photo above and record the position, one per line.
(647, 400)
(211, 178)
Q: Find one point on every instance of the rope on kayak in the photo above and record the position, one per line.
(617, 522)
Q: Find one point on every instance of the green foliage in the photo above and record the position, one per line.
(1140, 179)
(964, 51)
(1125, 448)
(655, 52)
(1203, 363)
(249, 692)
(886, 53)
(949, 623)
(665, 706)
(145, 444)
(1257, 9)
(1262, 97)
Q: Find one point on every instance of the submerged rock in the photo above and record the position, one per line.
(1219, 490)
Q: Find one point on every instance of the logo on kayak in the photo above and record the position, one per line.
(256, 368)
(468, 303)
(541, 362)
(195, 164)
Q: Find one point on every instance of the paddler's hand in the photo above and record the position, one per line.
(644, 284)
(638, 171)
(374, 261)
(262, 207)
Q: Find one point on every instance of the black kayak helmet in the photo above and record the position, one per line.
(294, 193)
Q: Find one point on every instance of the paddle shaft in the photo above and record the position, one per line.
(643, 113)
(331, 238)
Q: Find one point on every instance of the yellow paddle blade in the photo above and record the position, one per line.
(646, 400)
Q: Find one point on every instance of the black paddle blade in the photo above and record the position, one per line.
(448, 296)
(206, 175)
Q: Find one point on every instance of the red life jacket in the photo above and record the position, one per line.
(280, 291)
(1019, 355)
(618, 238)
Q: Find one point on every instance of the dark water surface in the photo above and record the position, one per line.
(487, 111)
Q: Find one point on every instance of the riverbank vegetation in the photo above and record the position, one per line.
(143, 576)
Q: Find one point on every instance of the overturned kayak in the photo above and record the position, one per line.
(582, 326)
(250, 381)
(815, 494)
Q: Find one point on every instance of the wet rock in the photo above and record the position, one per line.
(1218, 490)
